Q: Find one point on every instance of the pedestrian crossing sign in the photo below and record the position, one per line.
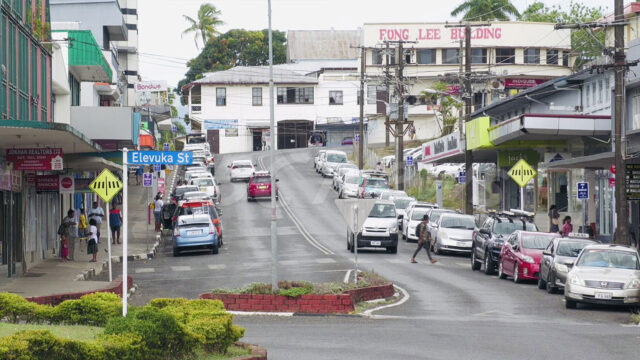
(522, 173)
(106, 185)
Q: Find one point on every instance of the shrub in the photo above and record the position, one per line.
(257, 289)
(16, 308)
(295, 291)
(92, 309)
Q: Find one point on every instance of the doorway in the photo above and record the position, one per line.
(293, 134)
(213, 138)
(256, 135)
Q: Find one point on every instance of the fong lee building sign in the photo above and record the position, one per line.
(511, 34)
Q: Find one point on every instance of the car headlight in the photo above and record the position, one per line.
(561, 267)
(527, 259)
(633, 284)
(393, 229)
(576, 280)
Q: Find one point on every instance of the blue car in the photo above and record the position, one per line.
(195, 232)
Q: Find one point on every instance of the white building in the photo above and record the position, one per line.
(128, 52)
(507, 57)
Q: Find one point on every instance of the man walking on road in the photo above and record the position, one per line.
(424, 239)
(96, 213)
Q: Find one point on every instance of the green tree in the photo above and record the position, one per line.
(236, 47)
(486, 10)
(449, 110)
(585, 46)
(205, 25)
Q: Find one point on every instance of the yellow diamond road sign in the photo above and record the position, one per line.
(106, 185)
(522, 173)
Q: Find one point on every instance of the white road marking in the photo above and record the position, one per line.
(181, 268)
(398, 261)
(145, 270)
(404, 299)
(289, 262)
(217, 266)
(258, 313)
(325, 261)
(346, 276)
(464, 265)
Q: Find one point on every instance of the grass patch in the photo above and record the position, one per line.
(635, 318)
(232, 351)
(70, 332)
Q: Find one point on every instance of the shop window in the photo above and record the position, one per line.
(478, 56)
(600, 92)
(295, 95)
(221, 96)
(552, 57)
(451, 56)
(505, 56)
(426, 56)
(532, 56)
(335, 98)
(565, 58)
(256, 96)
(376, 57)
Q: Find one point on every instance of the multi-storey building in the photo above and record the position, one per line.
(128, 51)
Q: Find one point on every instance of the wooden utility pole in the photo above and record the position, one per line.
(387, 76)
(620, 68)
(363, 58)
(400, 121)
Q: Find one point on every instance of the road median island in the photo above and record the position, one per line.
(304, 297)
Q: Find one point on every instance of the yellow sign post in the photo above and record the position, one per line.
(522, 173)
(106, 185)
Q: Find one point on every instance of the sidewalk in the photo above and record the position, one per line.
(53, 276)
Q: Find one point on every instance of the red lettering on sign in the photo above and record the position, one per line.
(382, 32)
(436, 34)
(405, 34)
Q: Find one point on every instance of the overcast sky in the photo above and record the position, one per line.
(164, 52)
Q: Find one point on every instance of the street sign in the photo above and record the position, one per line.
(357, 138)
(409, 160)
(632, 179)
(106, 185)
(522, 173)
(147, 179)
(462, 177)
(166, 146)
(174, 129)
(159, 157)
(156, 167)
(583, 191)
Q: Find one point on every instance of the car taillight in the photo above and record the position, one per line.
(212, 229)
(174, 219)
(233, 167)
(176, 232)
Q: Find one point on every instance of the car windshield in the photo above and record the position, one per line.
(458, 222)
(261, 179)
(536, 242)
(180, 191)
(242, 166)
(506, 227)
(195, 195)
(402, 203)
(336, 158)
(383, 211)
(389, 194)
(345, 169)
(418, 214)
(570, 248)
(435, 215)
(604, 258)
(376, 183)
(351, 180)
(203, 182)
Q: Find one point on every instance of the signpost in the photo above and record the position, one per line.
(166, 146)
(583, 195)
(147, 181)
(409, 160)
(357, 138)
(522, 173)
(462, 177)
(107, 186)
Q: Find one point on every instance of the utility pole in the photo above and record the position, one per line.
(400, 121)
(272, 159)
(363, 62)
(387, 76)
(620, 176)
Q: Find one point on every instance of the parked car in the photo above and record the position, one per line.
(414, 216)
(207, 183)
(558, 259)
(179, 191)
(193, 232)
(318, 159)
(434, 216)
(348, 186)
(521, 254)
(372, 183)
(201, 207)
(194, 196)
(388, 194)
(241, 170)
(453, 233)
(331, 162)
(379, 230)
(347, 141)
(604, 274)
(259, 186)
(489, 238)
(339, 172)
(401, 204)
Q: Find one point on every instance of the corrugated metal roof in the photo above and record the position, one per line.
(322, 44)
(255, 75)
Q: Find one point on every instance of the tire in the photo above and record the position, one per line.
(475, 266)
(220, 242)
(214, 249)
(501, 274)
(516, 278)
(541, 283)
(570, 304)
(392, 249)
(436, 249)
(340, 195)
(550, 287)
(176, 252)
(488, 263)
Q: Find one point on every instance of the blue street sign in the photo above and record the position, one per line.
(174, 129)
(160, 157)
(357, 138)
(166, 146)
(462, 177)
(583, 191)
(409, 160)
(147, 179)
(156, 167)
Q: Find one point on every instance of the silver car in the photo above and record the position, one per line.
(454, 233)
(604, 274)
(349, 185)
(340, 171)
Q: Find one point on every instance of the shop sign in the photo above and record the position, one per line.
(478, 133)
(522, 83)
(30, 178)
(47, 183)
(448, 145)
(220, 124)
(36, 159)
(151, 86)
(510, 158)
(633, 181)
(67, 184)
(437, 33)
(5, 176)
(161, 185)
(231, 132)
(16, 181)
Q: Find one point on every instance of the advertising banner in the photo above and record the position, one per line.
(446, 146)
(150, 86)
(47, 183)
(67, 184)
(36, 159)
(522, 83)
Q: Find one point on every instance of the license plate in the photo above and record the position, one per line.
(376, 243)
(194, 232)
(603, 295)
(262, 187)
(461, 244)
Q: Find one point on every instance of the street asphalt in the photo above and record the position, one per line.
(452, 312)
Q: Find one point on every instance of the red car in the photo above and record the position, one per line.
(260, 186)
(521, 254)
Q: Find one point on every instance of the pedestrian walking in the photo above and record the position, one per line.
(70, 234)
(115, 222)
(567, 228)
(157, 211)
(424, 239)
(97, 214)
(92, 243)
(554, 217)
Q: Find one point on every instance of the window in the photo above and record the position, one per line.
(33, 86)
(478, 56)
(295, 95)
(552, 57)
(44, 98)
(594, 99)
(426, 56)
(587, 95)
(376, 57)
(532, 56)
(505, 56)
(74, 86)
(335, 98)
(607, 90)
(256, 96)
(372, 94)
(600, 95)
(221, 96)
(450, 56)
(565, 58)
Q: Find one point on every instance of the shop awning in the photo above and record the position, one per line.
(146, 140)
(25, 134)
(549, 127)
(597, 161)
(89, 163)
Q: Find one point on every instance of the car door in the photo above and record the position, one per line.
(547, 260)
(508, 255)
(482, 239)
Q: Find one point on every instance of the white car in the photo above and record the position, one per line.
(207, 183)
(402, 203)
(319, 159)
(454, 232)
(388, 194)
(411, 220)
(194, 196)
(379, 230)
(339, 172)
(604, 274)
(333, 159)
(195, 173)
(241, 170)
(349, 185)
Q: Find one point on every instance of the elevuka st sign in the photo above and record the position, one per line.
(36, 159)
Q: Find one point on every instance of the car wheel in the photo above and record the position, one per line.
(541, 283)
(176, 252)
(340, 195)
(214, 249)
(220, 242)
(570, 304)
(501, 274)
(392, 249)
(516, 278)
(550, 287)
(488, 263)
(475, 266)
(436, 248)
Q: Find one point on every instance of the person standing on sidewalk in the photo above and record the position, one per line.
(92, 243)
(82, 226)
(71, 232)
(424, 239)
(97, 214)
(157, 211)
(115, 222)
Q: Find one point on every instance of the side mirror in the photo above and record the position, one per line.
(254, 164)
(546, 252)
(277, 180)
(229, 166)
(484, 232)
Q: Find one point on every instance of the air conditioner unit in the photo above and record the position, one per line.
(496, 85)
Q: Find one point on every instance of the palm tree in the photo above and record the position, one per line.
(486, 10)
(206, 24)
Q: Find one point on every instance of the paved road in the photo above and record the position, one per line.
(452, 312)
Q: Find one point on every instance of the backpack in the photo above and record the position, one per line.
(62, 229)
